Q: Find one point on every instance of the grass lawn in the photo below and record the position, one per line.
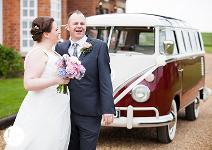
(208, 49)
(11, 96)
(207, 39)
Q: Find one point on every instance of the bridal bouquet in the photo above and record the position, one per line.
(69, 67)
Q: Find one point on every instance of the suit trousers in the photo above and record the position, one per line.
(84, 132)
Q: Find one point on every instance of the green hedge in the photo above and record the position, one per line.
(11, 63)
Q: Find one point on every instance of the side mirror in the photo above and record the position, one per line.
(168, 47)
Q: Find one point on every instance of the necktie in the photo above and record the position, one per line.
(75, 49)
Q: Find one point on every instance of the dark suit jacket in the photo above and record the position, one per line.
(92, 95)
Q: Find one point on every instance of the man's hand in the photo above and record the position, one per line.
(65, 26)
(108, 118)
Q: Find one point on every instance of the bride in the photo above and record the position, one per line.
(43, 120)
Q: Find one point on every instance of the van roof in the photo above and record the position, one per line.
(132, 19)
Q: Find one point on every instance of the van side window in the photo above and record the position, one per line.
(146, 41)
(199, 44)
(139, 40)
(187, 41)
(193, 41)
(176, 46)
(98, 33)
(183, 40)
(162, 38)
(181, 43)
(169, 35)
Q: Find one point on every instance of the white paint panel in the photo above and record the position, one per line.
(125, 66)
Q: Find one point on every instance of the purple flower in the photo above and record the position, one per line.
(82, 69)
(62, 72)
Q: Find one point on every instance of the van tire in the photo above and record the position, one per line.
(192, 110)
(167, 133)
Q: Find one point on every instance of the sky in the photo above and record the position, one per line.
(197, 13)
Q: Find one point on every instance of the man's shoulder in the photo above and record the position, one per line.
(97, 41)
(64, 44)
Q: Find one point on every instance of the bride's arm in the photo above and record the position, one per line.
(34, 66)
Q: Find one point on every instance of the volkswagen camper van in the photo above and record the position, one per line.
(157, 68)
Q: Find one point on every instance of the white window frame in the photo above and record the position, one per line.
(28, 19)
(198, 41)
(180, 41)
(187, 41)
(193, 41)
(1, 22)
(170, 34)
(56, 11)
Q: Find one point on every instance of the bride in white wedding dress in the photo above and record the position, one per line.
(44, 116)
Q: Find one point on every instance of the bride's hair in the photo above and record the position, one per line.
(39, 26)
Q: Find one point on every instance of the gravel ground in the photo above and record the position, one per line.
(1, 140)
(191, 135)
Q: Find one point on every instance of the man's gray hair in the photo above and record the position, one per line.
(78, 12)
(75, 12)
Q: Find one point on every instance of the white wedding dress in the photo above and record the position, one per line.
(43, 118)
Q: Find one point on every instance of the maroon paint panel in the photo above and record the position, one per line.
(170, 82)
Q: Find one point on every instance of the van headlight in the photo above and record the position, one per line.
(140, 93)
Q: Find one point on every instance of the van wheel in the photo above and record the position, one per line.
(192, 110)
(167, 133)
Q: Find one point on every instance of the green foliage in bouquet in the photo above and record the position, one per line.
(11, 63)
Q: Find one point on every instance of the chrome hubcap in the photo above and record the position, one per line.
(172, 126)
(196, 106)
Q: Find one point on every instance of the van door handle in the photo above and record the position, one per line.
(180, 70)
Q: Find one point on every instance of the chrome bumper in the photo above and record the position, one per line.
(134, 122)
(206, 93)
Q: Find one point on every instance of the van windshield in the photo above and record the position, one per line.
(101, 33)
(127, 39)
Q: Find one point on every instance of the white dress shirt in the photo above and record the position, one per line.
(80, 45)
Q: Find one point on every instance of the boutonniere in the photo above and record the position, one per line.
(87, 47)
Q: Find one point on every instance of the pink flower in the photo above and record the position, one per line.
(87, 47)
(60, 63)
(69, 67)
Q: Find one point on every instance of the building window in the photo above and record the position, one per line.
(56, 11)
(1, 22)
(28, 14)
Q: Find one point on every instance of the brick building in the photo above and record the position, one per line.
(16, 16)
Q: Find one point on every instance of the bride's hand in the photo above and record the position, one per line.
(60, 80)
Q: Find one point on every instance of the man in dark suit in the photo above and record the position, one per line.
(91, 97)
